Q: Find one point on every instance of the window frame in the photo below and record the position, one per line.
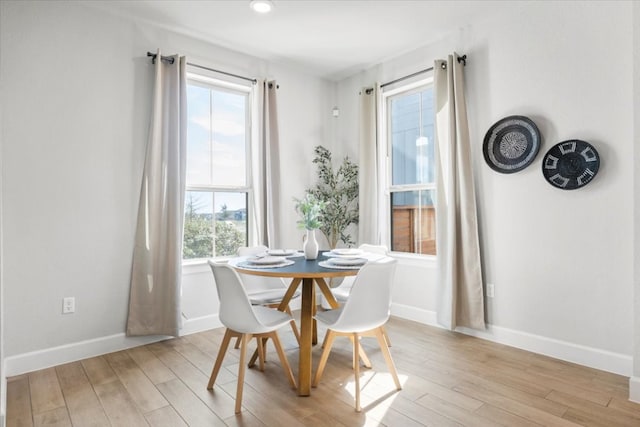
(204, 81)
(386, 161)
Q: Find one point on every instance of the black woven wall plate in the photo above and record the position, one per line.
(571, 164)
(511, 144)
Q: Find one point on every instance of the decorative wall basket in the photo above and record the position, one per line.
(511, 144)
(571, 164)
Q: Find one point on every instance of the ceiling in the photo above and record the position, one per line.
(330, 39)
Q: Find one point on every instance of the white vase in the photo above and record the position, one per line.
(310, 246)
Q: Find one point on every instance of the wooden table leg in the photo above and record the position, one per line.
(306, 337)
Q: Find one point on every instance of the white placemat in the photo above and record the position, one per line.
(282, 252)
(245, 264)
(327, 264)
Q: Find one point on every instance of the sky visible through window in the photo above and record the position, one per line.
(216, 146)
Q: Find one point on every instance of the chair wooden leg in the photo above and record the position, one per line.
(328, 342)
(228, 334)
(356, 351)
(379, 332)
(294, 327)
(314, 339)
(237, 346)
(241, 370)
(386, 336)
(261, 344)
(283, 359)
(256, 355)
(363, 356)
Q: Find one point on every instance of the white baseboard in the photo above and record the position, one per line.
(620, 364)
(634, 389)
(587, 356)
(41, 359)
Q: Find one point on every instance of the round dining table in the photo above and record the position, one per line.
(305, 272)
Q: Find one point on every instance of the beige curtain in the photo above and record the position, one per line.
(368, 228)
(460, 300)
(154, 302)
(266, 164)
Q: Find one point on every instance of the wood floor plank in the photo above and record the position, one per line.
(118, 405)
(221, 403)
(187, 405)
(626, 406)
(98, 371)
(503, 417)
(153, 368)
(454, 412)
(595, 412)
(448, 380)
(165, 417)
(46, 394)
(82, 402)
(19, 402)
(58, 417)
(143, 392)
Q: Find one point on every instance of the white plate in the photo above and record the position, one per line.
(347, 251)
(266, 260)
(282, 252)
(347, 261)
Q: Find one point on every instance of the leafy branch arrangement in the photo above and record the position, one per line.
(310, 210)
(338, 190)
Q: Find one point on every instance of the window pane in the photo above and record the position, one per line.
(229, 139)
(198, 135)
(231, 222)
(412, 142)
(214, 220)
(413, 222)
(216, 137)
(198, 225)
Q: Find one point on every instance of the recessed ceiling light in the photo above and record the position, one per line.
(261, 6)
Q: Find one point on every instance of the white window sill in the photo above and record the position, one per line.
(198, 266)
(415, 259)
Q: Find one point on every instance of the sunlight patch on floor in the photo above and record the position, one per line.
(377, 392)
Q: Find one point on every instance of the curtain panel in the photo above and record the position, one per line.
(154, 301)
(460, 289)
(369, 180)
(266, 164)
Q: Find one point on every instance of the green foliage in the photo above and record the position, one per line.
(228, 238)
(310, 210)
(339, 192)
(198, 235)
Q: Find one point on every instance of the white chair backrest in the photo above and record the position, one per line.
(253, 283)
(370, 298)
(235, 309)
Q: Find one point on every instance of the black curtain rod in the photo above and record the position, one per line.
(170, 60)
(461, 59)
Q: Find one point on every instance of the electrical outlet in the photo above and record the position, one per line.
(491, 290)
(68, 305)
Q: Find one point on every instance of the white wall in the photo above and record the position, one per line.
(76, 85)
(561, 261)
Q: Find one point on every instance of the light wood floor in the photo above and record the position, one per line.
(449, 380)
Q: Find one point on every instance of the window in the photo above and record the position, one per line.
(408, 114)
(218, 153)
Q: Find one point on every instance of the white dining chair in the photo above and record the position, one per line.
(267, 291)
(363, 314)
(245, 321)
(341, 292)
